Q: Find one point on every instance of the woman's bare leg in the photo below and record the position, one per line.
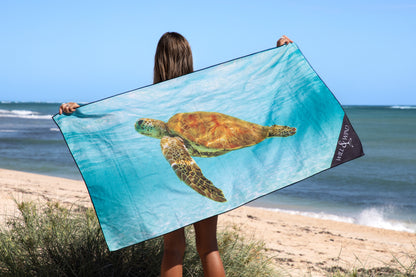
(174, 249)
(206, 244)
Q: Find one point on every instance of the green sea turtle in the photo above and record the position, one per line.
(204, 134)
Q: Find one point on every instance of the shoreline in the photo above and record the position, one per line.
(298, 245)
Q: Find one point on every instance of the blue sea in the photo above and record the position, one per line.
(377, 190)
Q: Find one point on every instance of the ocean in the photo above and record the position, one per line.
(376, 190)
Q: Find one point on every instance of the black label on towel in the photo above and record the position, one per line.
(348, 146)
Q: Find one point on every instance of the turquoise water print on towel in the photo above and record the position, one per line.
(221, 131)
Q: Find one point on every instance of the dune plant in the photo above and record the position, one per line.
(56, 241)
(52, 240)
(395, 269)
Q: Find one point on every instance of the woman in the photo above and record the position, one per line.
(173, 58)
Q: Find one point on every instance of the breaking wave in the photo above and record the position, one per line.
(403, 107)
(372, 217)
(26, 114)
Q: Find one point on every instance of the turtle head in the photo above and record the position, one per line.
(151, 127)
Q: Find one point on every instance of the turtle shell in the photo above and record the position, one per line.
(216, 130)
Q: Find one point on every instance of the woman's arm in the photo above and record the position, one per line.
(68, 108)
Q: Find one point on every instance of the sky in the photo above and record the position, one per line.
(83, 51)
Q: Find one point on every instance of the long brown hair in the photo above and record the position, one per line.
(173, 57)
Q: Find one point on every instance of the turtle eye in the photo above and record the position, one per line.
(139, 122)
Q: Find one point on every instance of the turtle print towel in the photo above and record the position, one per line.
(167, 155)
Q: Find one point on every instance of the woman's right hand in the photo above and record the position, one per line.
(68, 108)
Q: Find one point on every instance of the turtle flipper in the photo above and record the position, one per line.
(281, 131)
(187, 170)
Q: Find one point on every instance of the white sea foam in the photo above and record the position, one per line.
(376, 218)
(372, 217)
(54, 129)
(23, 114)
(320, 215)
(403, 107)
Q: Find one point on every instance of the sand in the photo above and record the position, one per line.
(297, 245)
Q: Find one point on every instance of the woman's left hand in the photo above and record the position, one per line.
(283, 40)
(68, 108)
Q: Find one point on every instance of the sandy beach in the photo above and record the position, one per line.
(297, 245)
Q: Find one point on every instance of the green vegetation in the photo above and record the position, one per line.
(394, 269)
(379, 272)
(56, 241)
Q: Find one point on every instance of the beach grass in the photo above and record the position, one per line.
(393, 269)
(52, 240)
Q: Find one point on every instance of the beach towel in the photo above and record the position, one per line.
(165, 156)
